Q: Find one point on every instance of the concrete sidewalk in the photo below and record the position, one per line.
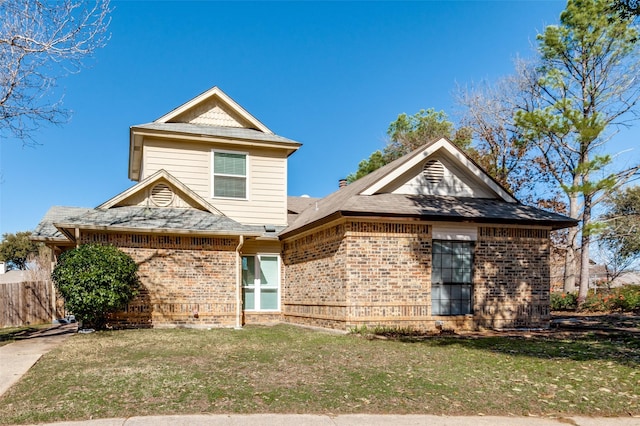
(350, 420)
(18, 357)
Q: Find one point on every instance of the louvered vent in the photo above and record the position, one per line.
(433, 171)
(161, 195)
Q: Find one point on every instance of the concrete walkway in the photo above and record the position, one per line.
(350, 420)
(16, 359)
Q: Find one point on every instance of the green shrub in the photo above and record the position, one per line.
(95, 280)
(619, 299)
(625, 299)
(564, 301)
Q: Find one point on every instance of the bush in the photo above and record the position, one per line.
(95, 280)
(620, 299)
(564, 301)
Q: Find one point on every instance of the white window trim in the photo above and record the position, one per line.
(246, 175)
(454, 232)
(256, 283)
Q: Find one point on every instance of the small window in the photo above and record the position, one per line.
(229, 175)
(452, 278)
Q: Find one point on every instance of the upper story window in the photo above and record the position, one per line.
(229, 175)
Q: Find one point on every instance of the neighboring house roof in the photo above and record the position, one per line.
(367, 197)
(296, 205)
(46, 231)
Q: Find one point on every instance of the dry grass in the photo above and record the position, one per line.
(285, 369)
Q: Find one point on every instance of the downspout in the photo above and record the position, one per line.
(239, 284)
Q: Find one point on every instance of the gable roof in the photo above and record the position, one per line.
(160, 175)
(214, 93)
(211, 117)
(363, 197)
(443, 145)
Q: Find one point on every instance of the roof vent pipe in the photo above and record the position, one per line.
(342, 183)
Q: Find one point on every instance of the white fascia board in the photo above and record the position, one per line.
(215, 91)
(386, 180)
(454, 152)
(162, 134)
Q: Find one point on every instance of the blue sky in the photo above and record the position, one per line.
(331, 75)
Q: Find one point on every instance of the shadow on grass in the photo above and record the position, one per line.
(10, 334)
(622, 348)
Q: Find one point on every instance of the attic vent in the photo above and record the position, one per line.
(161, 195)
(433, 171)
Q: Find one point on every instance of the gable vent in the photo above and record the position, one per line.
(433, 171)
(161, 195)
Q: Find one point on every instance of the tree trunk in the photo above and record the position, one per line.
(570, 268)
(584, 253)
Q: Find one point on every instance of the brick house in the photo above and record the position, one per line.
(428, 240)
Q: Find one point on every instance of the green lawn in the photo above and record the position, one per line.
(285, 369)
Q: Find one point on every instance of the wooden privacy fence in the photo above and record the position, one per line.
(25, 303)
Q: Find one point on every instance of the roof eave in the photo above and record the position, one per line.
(173, 134)
(65, 226)
(553, 224)
(546, 223)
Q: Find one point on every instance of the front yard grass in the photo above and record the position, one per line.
(285, 369)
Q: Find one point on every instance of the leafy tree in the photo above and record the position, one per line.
(95, 280)
(409, 132)
(17, 249)
(40, 42)
(621, 233)
(627, 8)
(587, 84)
(374, 162)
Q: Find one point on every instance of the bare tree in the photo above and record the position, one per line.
(41, 42)
(488, 111)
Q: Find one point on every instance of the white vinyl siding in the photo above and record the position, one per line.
(267, 191)
(191, 164)
(187, 162)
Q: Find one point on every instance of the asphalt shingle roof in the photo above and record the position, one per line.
(47, 231)
(216, 131)
(348, 201)
(170, 219)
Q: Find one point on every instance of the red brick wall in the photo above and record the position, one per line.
(388, 274)
(358, 273)
(313, 290)
(367, 273)
(185, 281)
(512, 277)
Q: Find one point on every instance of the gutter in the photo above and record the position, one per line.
(239, 284)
